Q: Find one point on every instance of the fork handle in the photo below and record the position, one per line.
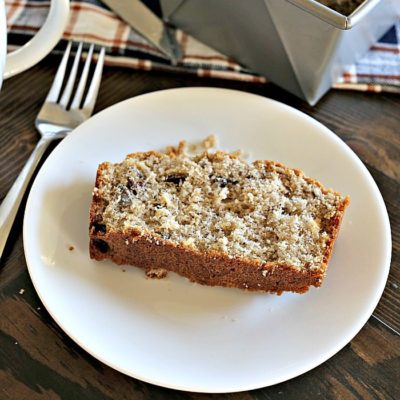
(12, 201)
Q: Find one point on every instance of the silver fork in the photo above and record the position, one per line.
(54, 121)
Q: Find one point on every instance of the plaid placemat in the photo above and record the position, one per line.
(91, 21)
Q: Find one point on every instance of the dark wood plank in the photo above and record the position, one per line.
(38, 361)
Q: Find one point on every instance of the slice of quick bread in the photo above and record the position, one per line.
(215, 219)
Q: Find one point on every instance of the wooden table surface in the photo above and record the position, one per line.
(39, 361)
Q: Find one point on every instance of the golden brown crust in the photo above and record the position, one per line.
(213, 268)
(334, 225)
(149, 252)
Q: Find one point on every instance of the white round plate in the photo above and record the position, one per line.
(175, 333)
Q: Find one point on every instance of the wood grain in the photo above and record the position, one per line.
(38, 361)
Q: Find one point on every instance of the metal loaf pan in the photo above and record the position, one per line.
(300, 45)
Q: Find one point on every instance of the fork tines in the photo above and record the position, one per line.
(61, 92)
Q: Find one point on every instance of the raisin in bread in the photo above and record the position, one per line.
(215, 219)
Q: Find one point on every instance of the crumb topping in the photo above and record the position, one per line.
(345, 7)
